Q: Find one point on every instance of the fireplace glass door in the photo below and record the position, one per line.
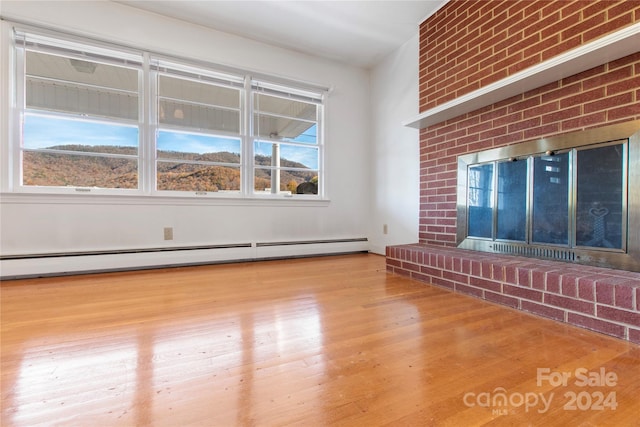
(551, 199)
(512, 201)
(480, 200)
(600, 197)
(572, 198)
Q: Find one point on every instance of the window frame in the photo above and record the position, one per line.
(148, 123)
(279, 91)
(26, 40)
(161, 67)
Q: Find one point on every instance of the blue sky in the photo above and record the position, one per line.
(45, 132)
(196, 143)
(308, 156)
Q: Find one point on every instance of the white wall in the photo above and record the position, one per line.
(395, 155)
(61, 224)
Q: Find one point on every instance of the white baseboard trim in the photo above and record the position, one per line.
(60, 264)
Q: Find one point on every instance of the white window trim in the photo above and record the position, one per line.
(10, 168)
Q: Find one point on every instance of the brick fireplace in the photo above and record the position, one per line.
(468, 46)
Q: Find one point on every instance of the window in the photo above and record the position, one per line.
(198, 138)
(80, 116)
(285, 138)
(100, 119)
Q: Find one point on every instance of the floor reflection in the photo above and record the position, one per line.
(225, 368)
(87, 374)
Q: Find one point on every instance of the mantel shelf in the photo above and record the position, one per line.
(598, 52)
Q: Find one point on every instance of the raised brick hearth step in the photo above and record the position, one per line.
(599, 299)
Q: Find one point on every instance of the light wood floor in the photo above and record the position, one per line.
(315, 342)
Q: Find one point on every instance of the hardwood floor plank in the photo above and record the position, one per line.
(324, 341)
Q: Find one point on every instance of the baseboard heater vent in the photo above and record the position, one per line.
(68, 263)
(532, 251)
(124, 251)
(310, 242)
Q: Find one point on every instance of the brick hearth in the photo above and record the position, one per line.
(599, 299)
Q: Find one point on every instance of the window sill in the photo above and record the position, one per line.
(96, 199)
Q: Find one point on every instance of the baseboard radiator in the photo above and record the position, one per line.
(22, 266)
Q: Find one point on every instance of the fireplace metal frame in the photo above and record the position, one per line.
(626, 259)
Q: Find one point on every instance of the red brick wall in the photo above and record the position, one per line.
(468, 44)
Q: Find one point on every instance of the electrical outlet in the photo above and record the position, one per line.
(168, 233)
(385, 229)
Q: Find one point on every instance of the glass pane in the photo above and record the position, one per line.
(291, 156)
(198, 92)
(58, 83)
(285, 119)
(198, 116)
(284, 107)
(41, 132)
(262, 180)
(62, 170)
(480, 202)
(512, 200)
(600, 197)
(192, 146)
(285, 129)
(292, 182)
(551, 199)
(173, 176)
(198, 105)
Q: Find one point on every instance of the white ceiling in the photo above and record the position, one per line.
(357, 32)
